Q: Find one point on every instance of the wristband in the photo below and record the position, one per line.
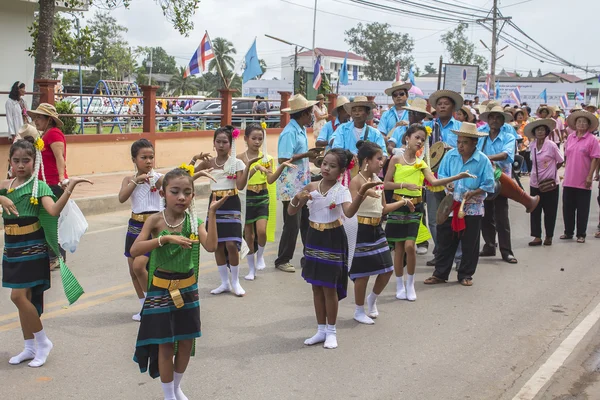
(292, 203)
(134, 182)
(159, 243)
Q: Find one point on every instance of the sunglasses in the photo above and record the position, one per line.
(398, 94)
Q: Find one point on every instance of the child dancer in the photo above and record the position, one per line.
(405, 177)
(262, 173)
(231, 175)
(372, 255)
(31, 228)
(171, 313)
(326, 244)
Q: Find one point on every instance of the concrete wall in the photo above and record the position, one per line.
(15, 17)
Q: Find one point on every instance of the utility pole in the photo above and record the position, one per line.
(494, 42)
(150, 76)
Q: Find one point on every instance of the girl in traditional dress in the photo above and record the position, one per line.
(31, 227)
(405, 178)
(171, 312)
(260, 196)
(326, 251)
(372, 255)
(230, 174)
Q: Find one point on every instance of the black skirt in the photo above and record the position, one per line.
(163, 323)
(229, 220)
(257, 206)
(133, 231)
(372, 255)
(326, 259)
(403, 225)
(26, 264)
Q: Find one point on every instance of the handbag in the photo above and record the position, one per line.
(547, 185)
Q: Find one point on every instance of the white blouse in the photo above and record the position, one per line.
(14, 116)
(223, 183)
(143, 199)
(327, 209)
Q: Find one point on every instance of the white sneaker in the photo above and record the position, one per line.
(422, 250)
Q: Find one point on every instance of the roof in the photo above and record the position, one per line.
(565, 77)
(332, 53)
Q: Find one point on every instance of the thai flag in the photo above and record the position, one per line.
(516, 95)
(203, 54)
(485, 90)
(564, 101)
(317, 74)
(188, 104)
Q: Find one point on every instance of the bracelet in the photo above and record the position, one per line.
(159, 243)
(134, 182)
(254, 168)
(68, 191)
(193, 162)
(292, 203)
(401, 183)
(361, 195)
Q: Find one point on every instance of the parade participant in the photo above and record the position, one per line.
(293, 144)
(405, 176)
(261, 176)
(395, 116)
(31, 228)
(320, 115)
(519, 125)
(326, 136)
(544, 111)
(326, 253)
(499, 147)
(582, 152)
(171, 313)
(348, 134)
(372, 255)
(231, 175)
(544, 181)
(557, 133)
(464, 114)
(417, 112)
(472, 191)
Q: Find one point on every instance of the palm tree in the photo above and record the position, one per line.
(214, 82)
(181, 86)
(223, 50)
(263, 66)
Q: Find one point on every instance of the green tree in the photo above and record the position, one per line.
(181, 86)
(263, 66)
(224, 51)
(461, 50)
(111, 55)
(430, 69)
(382, 48)
(162, 63)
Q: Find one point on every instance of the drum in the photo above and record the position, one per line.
(436, 153)
(319, 158)
(497, 184)
(507, 187)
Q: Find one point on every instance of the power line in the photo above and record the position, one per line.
(414, 14)
(446, 10)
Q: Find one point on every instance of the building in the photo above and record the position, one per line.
(331, 60)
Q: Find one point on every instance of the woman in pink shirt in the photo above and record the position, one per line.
(545, 160)
(582, 151)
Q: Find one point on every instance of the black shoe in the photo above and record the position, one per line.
(487, 251)
(431, 263)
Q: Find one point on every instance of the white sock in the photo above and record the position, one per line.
(142, 300)
(372, 304)
(252, 273)
(319, 337)
(28, 353)
(330, 337)
(225, 285)
(400, 289)
(177, 377)
(411, 295)
(360, 316)
(235, 281)
(169, 390)
(260, 260)
(43, 346)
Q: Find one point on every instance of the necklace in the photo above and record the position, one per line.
(362, 176)
(406, 162)
(221, 165)
(321, 192)
(10, 188)
(172, 226)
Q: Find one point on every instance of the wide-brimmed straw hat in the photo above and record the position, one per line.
(592, 106)
(468, 129)
(495, 109)
(467, 110)
(359, 101)
(456, 97)
(397, 86)
(28, 130)
(572, 118)
(298, 103)
(341, 101)
(547, 108)
(577, 107)
(530, 127)
(418, 105)
(320, 97)
(48, 110)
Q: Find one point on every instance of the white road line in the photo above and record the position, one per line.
(557, 359)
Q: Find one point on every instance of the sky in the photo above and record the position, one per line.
(240, 21)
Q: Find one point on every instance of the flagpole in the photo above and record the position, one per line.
(217, 61)
(314, 34)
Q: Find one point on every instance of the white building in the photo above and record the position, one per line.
(331, 60)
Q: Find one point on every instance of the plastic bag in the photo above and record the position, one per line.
(71, 226)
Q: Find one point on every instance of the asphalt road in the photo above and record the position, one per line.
(482, 342)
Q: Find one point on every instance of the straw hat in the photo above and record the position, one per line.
(495, 109)
(576, 108)
(518, 110)
(397, 86)
(48, 110)
(530, 127)
(572, 118)
(320, 97)
(467, 111)
(591, 106)
(28, 130)
(341, 101)
(298, 103)
(547, 108)
(418, 105)
(359, 101)
(456, 97)
(468, 129)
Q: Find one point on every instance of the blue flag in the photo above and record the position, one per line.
(544, 96)
(497, 89)
(344, 71)
(252, 68)
(411, 76)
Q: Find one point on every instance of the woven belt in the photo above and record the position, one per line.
(414, 200)
(322, 226)
(16, 230)
(257, 188)
(173, 286)
(140, 217)
(369, 220)
(223, 193)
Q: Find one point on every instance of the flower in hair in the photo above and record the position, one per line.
(235, 134)
(263, 125)
(39, 144)
(187, 167)
(351, 164)
(428, 130)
